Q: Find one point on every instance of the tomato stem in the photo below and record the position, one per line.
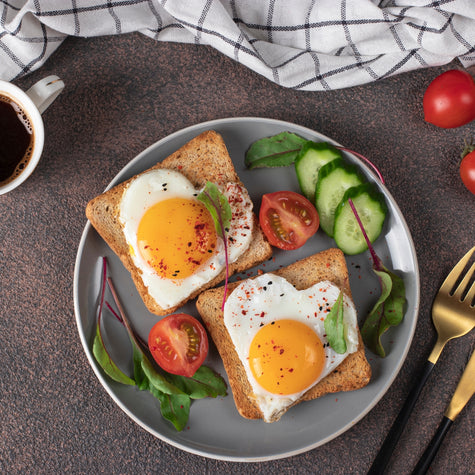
(469, 147)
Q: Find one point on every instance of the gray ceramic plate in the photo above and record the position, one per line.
(215, 428)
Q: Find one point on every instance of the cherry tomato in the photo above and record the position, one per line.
(179, 344)
(449, 101)
(287, 219)
(467, 171)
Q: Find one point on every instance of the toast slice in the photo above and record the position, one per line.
(353, 373)
(204, 158)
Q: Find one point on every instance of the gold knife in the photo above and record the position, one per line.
(464, 391)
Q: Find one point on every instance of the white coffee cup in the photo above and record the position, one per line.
(33, 103)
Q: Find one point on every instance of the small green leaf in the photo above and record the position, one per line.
(217, 204)
(174, 407)
(204, 383)
(334, 326)
(280, 150)
(388, 310)
(105, 361)
(157, 380)
(209, 378)
(174, 403)
(139, 375)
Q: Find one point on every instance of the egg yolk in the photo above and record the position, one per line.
(286, 356)
(176, 236)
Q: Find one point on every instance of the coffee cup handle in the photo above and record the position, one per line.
(44, 92)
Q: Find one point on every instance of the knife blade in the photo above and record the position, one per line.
(463, 393)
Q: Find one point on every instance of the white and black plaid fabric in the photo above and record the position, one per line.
(301, 44)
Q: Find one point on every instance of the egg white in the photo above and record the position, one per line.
(162, 184)
(268, 298)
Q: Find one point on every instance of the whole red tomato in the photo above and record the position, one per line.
(449, 101)
(467, 168)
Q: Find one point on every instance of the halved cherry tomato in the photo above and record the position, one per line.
(287, 219)
(449, 101)
(467, 171)
(179, 344)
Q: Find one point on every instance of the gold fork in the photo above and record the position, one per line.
(453, 315)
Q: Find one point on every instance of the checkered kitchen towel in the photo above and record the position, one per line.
(300, 44)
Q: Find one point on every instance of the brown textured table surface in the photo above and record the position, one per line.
(123, 94)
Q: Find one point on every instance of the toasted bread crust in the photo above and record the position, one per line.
(353, 373)
(204, 158)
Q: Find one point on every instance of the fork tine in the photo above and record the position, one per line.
(470, 295)
(464, 283)
(451, 279)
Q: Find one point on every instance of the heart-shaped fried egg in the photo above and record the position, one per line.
(279, 335)
(172, 237)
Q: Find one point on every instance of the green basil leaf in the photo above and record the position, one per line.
(388, 310)
(204, 383)
(280, 150)
(139, 375)
(157, 380)
(218, 205)
(334, 326)
(212, 380)
(105, 361)
(174, 407)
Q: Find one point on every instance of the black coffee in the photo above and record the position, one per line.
(16, 139)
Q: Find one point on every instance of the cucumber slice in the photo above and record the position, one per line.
(311, 158)
(334, 179)
(372, 210)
